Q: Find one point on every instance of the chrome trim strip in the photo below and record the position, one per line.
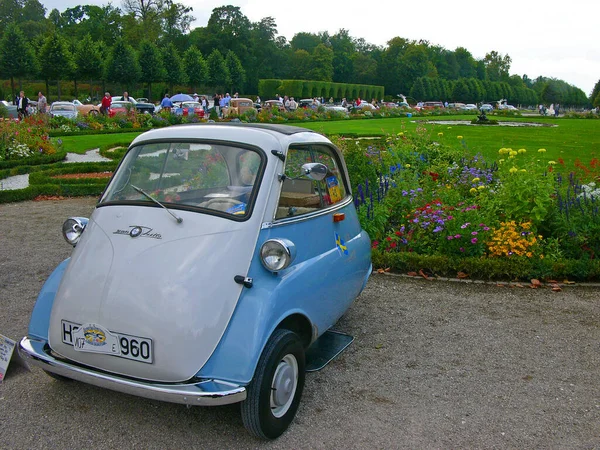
(349, 199)
(203, 393)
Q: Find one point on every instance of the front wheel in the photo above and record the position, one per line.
(274, 393)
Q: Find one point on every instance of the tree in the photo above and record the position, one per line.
(228, 29)
(237, 74)
(196, 67)
(305, 41)
(174, 67)
(151, 65)
(497, 66)
(300, 63)
(343, 49)
(413, 64)
(122, 65)
(321, 68)
(16, 56)
(56, 60)
(218, 73)
(595, 92)
(466, 63)
(88, 60)
(461, 91)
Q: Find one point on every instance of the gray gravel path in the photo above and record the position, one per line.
(435, 365)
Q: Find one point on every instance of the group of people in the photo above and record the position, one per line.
(22, 103)
(554, 110)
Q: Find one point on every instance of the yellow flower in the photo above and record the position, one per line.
(448, 186)
(511, 156)
(459, 137)
(475, 180)
(551, 162)
(522, 170)
(407, 166)
(500, 161)
(512, 153)
(502, 151)
(401, 134)
(481, 188)
(449, 128)
(513, 169)
(440, 134)
(522, 150)
(542, 150)
(473, 191)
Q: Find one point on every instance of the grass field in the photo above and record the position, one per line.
(570, 139)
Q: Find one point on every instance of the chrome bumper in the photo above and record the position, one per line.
(204, 393)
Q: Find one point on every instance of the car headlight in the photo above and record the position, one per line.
(72, 229)
(277, 254)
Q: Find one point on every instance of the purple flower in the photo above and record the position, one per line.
(457, 236)
(474, 233)
(404, 193)
(474, 241)
(465, 225)
(462, 249)
(450, 238)
(437, 229)
(416, 220)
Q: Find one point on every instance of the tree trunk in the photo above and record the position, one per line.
(12, 86)
(149, 91)
(48, 91)
(58, 85)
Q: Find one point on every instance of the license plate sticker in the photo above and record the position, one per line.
(94, 338)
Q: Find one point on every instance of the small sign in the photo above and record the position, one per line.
(7, 347)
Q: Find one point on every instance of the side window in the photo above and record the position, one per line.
(301, 195)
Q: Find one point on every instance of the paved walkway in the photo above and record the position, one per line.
(22, 181)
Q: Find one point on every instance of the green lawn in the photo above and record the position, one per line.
(571, 139)
(81, 144)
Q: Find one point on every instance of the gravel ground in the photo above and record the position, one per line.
(434, 365)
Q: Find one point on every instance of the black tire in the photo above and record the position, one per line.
(57, 377)
(265, 414)
(93, 112)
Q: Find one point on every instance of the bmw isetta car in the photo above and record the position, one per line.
(216, 258)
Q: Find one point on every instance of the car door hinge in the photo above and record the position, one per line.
(279, 154)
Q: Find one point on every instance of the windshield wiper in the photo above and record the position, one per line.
(141, 191)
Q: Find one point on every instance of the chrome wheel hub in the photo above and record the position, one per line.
(283, 387)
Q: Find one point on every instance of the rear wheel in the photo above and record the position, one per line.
(274, 393)
(93, 112)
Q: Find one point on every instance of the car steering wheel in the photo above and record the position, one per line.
(220, 204)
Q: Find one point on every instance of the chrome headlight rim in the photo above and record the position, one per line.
(287, 252)
(72, 229)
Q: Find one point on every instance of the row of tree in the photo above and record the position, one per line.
(154, 31)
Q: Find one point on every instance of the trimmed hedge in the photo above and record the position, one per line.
(35, 160)
(491, 268)
(32, 192)
(267, 88)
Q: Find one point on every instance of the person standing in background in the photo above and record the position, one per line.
(22, 104)
(42, 104)
(106, 102)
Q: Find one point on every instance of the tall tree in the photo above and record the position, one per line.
(196, 67)
(595, 92)
(321, 64)
(218, 73)
(122, 65)
(305, 41)
(89, 61)
(343, 49)
(237, 74)
(174, 67)
(16, 56)
(300, 63)
(412, 65)
(56, 60)
(151, 65)
(466, 63)
(497, 66)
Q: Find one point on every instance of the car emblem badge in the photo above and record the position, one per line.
(135, 232)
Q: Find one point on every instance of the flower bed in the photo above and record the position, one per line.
(523, 215)
(22, 140)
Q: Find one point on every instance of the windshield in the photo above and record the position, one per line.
(217, 178)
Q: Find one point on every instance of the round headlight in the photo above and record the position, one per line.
(72, 229)
(277, 254)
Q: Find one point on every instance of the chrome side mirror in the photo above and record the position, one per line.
(315, 171)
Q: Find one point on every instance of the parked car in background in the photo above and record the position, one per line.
(143, 100)
(273, 104)
(84, 110)
(238, 106)
(433, 105)
(120, 107)
(337, 108)
(366, 106)
(459, 106)
(11, 109)
(507, 107)
(486, 107)
(470, 107)
(141, 107)
(63, 109)
(309, 103)
(212, 268)
(188, 109)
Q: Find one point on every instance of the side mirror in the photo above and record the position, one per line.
(315, 171)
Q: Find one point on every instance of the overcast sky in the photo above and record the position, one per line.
(542, 37)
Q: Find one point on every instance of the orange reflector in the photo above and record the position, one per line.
(338, 217)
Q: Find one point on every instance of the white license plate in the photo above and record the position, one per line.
(94, 338)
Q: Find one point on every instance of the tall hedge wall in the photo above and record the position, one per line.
(268, 88)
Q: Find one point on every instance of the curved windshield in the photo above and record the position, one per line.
(187, 175)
